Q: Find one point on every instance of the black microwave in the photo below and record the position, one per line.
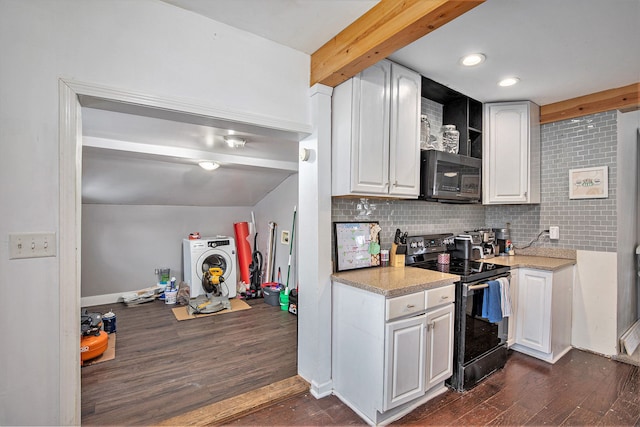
(447, 177)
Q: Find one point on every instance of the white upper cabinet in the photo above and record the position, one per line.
(376, 133)
(511, 159)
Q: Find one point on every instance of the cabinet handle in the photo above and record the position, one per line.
(411, 305)
(444, 297)
(431, 326)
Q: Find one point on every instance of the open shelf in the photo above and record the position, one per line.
(459, 110)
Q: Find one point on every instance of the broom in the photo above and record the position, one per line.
(293, 227)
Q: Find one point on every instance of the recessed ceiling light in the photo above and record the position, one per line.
(473, 59)
(509, 81)
(209, 166)
(235, 141)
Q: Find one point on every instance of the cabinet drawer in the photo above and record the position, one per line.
(405, 305)
(439, 296)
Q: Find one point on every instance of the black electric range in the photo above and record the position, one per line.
(479, 346)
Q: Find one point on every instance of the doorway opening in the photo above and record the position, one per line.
(73, 97)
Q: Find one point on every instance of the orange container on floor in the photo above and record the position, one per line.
(92, 346)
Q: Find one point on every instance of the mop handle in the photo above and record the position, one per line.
(293, 228)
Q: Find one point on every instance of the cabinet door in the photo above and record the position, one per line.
(370, 127)
(533, 316)
(404, 361)
(404, 139)
(439, 361)
(513, 288)
(511, 162)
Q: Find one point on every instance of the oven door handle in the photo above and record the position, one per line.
(469, 285)
(480, 286)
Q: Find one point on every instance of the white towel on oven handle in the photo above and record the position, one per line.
(505, 296)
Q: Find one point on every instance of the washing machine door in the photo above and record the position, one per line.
(216, 258)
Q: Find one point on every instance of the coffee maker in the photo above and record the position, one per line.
(468, 246)
(502, 236)
(489, 245)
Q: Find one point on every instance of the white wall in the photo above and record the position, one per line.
(144, 46)
(595, 299)
(277, 207)
(122, 245)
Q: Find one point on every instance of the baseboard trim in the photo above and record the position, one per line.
(101, 299)
(238, 406)
(630, 340)
(321, 390)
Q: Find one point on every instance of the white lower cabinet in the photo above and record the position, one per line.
(390, 355)
(439, 358)
(418, 354)
(405, 356)
(543, 313)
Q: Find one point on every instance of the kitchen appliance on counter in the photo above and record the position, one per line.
(480, 347)
(468, 246)
(502, 235)
(488, 243)
(448, 177)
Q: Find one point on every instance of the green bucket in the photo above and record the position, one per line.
(284, 301)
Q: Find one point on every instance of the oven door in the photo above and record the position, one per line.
(480, 347)
(480, 335)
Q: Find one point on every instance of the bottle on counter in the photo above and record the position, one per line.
(508, 248)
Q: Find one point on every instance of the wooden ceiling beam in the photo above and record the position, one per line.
(388, 26)
(626, 98)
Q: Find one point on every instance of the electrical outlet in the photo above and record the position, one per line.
(554, 233)
(32, 245)
(284, 237)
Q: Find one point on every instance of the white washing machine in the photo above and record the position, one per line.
(201, 254)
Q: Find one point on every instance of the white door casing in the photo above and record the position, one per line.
(70, 174)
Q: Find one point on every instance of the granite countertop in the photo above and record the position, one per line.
(530, 261)
(394, 281)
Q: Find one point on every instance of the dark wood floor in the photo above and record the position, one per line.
(164, 368)
(580, 389)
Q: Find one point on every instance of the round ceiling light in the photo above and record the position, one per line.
(509, 81)
(235, 141)
(473, 59)
(209, 166)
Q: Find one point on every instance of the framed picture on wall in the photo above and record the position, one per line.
(589, 183)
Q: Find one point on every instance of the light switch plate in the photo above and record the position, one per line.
(32, 245)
